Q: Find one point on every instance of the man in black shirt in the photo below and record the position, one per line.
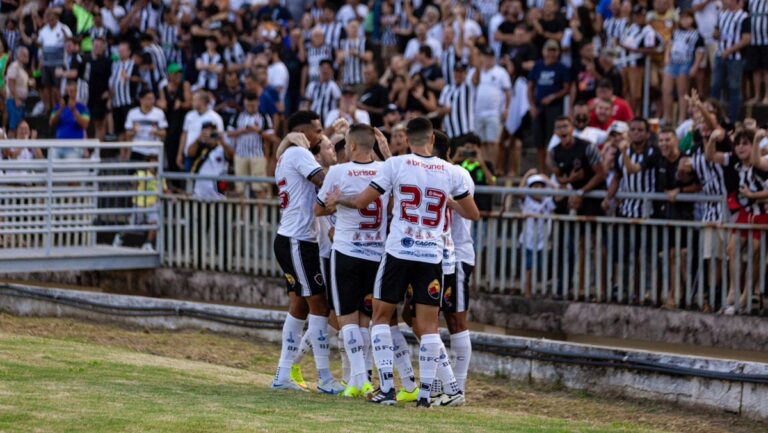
(549, 23)
(513, 14)
(471, 158)
(98, 67)
(375, 97)
(430, 72)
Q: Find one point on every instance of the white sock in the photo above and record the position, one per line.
(292, 328)
(367, 351)
(381, 341)
(461, 352)
(437, 387)
(429, 351)
(345, 367)
(304, 347)
(402, 355)
(321, 347)
(445, 372)
(353, 343)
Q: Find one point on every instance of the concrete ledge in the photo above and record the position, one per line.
(494, 354)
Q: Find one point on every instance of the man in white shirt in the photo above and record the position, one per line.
(51, 38)
(210, 157)
(347, 110)
(352, 10)
(145, 123)
(581, 130)
(193, 125)
(493, 93)
(412, 48)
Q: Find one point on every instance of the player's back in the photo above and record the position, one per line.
(297, 193)
(358, 233)
(461, 228)
(420, 189)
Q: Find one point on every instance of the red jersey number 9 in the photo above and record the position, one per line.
(374, 212)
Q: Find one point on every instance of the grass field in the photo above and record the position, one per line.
(67, 376)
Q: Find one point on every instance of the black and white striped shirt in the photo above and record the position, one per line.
(149, 18)
(712, 177)
(448, 60)
(758, 12)
(324, 96)
(234, 55)
(636, 36)
(614, 28)
(732, 25)
(314, 56)
(11, 39)
(123, 90)
(685, 44)
(158, 59)
(250, 145)
(643, 181)
(205, 79)
(334, 32)
(76, 62)
(352, 72)
(461, 100)
(168, 39)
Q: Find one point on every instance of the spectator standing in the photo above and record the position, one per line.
(469, 155)
(457, 102)
(123, 86)
(374, 98)
(70, 118)
(548, 83)
(317, 51)
(421, 39)
(145, 123)
(73, 69)
(639, 40)
(619, 108)
(354, 51)
(97, 67)
(493, 94)
(347, 110)
(201, 114)
(210, 156)
(757, 53)
(252, 136)
(17, 88)
(581, 128)
(733, 34)
(325, 93)
(683, 59)
(176, 101)
(209, 65)
(705, 12)
(51, 39)
(537, 228)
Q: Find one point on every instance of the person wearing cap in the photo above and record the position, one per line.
(548, 83)
(537, 226)
(457, 102)
(51, 38)
(347, 110)
(176, 100)
(375, 97)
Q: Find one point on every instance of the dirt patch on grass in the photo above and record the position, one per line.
(498, 393)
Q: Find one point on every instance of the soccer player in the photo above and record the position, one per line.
(298, 175)
(421, 186)
(358, 245)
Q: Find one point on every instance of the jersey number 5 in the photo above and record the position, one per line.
(435, 200)
(283, 195)
(374, 212)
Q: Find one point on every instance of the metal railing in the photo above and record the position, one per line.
(601, 259)
(54, 203)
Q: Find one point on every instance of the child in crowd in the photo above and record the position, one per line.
(537, 227)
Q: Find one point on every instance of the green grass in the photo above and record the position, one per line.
(64, 376)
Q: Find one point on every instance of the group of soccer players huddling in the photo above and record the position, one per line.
(361, 236)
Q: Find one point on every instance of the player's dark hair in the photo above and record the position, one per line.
(419, 130)
(642, 120)
(301, 118)
(440, 149)
(362, 135)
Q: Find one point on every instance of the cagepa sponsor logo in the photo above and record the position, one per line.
(407, 242)
(410, 242)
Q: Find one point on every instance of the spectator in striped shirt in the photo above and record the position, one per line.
(252, 138)
(683, 57)
(733, 35)
(353, 53)
(457, 102)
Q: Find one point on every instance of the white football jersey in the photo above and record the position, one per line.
(449, 252)
(297, 193)
(420, 187)
(461, 228)
(359, 233)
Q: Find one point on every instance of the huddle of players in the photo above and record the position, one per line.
(425, 260)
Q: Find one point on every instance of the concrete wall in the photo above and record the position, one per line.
(553, 318)
(749, 400)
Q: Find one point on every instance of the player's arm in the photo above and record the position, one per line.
(466, 207)
(322, 210)
(360, 201)
(318, 178)
(710, 150)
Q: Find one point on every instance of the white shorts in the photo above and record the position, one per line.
(713, 242)
(488, 128)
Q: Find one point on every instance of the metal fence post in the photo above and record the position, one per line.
(48, 207)
(647, 87)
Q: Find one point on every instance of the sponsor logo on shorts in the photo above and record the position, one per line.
(319, 279)
(368, 303)
(290, 279)
(447, 296)
(410, 291)
(434, 289)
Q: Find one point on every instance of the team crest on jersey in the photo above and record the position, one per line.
(434, 289)
(407, 242)
(447, 296)
(368, 303)
(290, 279)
